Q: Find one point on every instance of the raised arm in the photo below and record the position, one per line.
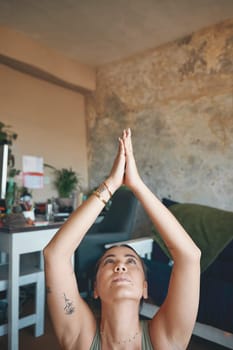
(172, 326)
(73, 321)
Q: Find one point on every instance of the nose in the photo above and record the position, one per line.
(120, 268)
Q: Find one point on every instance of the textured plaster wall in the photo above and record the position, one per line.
(178, 100)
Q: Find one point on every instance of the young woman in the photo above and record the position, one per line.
(120, 282)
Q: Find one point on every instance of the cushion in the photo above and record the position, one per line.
(168, 202)
(210, 228)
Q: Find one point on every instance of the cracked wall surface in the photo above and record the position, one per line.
(178, 100)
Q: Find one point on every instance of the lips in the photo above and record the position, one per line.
(120, 279)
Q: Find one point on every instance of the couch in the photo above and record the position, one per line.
(212, 229)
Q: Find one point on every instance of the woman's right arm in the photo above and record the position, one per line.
(68, 311)
(72, 319)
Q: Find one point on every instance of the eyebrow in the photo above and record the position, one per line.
(132, 256)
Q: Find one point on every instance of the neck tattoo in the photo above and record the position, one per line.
(123, 341)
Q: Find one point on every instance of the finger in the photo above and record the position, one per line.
(128, 131)
(121, 148)
(127, 141)
(125, 135)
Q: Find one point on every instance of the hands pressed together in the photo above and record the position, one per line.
(124, 170)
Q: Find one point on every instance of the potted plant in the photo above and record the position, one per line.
(66, 181)
(7, 136)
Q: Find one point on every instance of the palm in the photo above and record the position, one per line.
(131, 173)
(118, 168)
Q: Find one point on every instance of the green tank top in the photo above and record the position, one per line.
(146, 343)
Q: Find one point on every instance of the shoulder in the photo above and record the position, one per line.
(96, 343)
(146, 340)
(157, 335)
(88, 340)
(88, 329)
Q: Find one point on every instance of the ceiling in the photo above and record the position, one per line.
(96, 32)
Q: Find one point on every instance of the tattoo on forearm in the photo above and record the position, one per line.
(69, 307)
(48, 290)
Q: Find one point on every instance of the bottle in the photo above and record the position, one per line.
(49, 210)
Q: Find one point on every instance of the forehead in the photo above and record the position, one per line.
(119, 251)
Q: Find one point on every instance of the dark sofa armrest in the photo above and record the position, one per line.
(158, 276)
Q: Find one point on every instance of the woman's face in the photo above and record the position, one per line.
(120, 275)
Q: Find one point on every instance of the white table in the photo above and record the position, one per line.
(15, 243)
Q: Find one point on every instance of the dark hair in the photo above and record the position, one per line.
(120, 245)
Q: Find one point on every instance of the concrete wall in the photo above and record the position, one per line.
(178, 100)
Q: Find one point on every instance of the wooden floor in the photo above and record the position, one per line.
(27, 341)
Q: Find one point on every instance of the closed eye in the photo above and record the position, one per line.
(108, 261)
(131, 261)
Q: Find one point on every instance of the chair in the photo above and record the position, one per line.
(116, 226)
(28, 275)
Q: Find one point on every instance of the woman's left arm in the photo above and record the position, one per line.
(172, 326)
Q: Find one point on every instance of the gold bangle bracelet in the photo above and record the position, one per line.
(98, 195)
(106, 186)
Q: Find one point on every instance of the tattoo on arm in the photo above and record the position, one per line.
(69, 307)
(48, 290)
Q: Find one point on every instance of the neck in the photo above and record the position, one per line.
(120, 324)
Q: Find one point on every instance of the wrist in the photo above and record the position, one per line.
(103, 193)
(135, 185)
(112, 186)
